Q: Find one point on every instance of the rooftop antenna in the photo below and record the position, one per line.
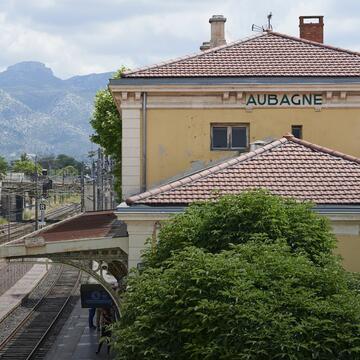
(268, 27)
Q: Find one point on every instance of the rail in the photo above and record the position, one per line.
(42, 318)
(19, 230)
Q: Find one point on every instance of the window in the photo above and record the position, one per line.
(296, 130)
(229, 137)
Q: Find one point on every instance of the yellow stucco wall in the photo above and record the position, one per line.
(349, 249)
(179, 139)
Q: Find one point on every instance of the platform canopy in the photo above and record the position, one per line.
(81, 241)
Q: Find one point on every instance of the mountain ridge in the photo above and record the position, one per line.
(41, 113)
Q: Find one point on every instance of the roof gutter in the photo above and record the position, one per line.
(173, 209)
(244, 80)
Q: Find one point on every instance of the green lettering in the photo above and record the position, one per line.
(318, 99)
(272, 99)
(293, 101)
(308, 99)
(285, 100)
(251, 100)
(261, 101)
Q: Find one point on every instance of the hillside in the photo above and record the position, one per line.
(40, 113)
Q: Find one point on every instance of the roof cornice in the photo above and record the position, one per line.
(235, 83)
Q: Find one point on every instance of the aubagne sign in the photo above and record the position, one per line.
(284, 99)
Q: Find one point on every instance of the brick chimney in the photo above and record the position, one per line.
(217, 33)
(312, 28)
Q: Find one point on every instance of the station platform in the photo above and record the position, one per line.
(13, 296)
(76, 341)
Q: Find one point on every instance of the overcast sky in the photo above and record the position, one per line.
(85, 36)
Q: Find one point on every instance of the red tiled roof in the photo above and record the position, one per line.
(268, 54)
(288, 167)
(87, 225)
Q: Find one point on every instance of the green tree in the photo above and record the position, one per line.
(68, 171)
(249, 277)
(106, 122)
(236, 219)
(62, 161)
(26, 166)
(256, 301)
(3, 167)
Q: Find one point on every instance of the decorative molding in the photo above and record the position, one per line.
(215, 101)
(251, 87)
(240, 95)
(226, 95)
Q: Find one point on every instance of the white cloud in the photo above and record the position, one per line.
(82, 36)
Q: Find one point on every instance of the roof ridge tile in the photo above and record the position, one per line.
(336, 48)
(323, 149)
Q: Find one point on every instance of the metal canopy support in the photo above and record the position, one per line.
(113, 258)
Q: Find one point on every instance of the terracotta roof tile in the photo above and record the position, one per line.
(87, 225)
(268, 54)
(287, 167)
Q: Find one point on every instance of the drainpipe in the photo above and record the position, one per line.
(144, 142)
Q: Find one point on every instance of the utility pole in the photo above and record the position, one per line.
(94, 185)
(8, 211)
(82, 183)
(111, 183)
(99, 181)
(36, 197)
(106, 171)
(102, 179)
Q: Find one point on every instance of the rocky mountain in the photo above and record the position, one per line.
(40, 113)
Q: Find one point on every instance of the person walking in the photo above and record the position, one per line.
(105, 332)
(92, 312)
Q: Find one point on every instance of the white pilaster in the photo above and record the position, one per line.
(131, 152)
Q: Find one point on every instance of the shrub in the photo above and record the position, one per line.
(214, 226)
(258, 300)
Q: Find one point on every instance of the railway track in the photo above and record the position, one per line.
(19, 230)
(27, 340)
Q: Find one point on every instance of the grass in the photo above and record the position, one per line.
(61, 200)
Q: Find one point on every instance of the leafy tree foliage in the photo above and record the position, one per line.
(3, 167)
(26, 166)
(106, 122)
(247, 277)
(236, 219)
(256, 301)
(68, 171)
(61, 161)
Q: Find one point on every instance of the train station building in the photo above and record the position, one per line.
(189, 113)
(213, 123)
(194, 114)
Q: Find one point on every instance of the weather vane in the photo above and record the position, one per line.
(268, 27)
